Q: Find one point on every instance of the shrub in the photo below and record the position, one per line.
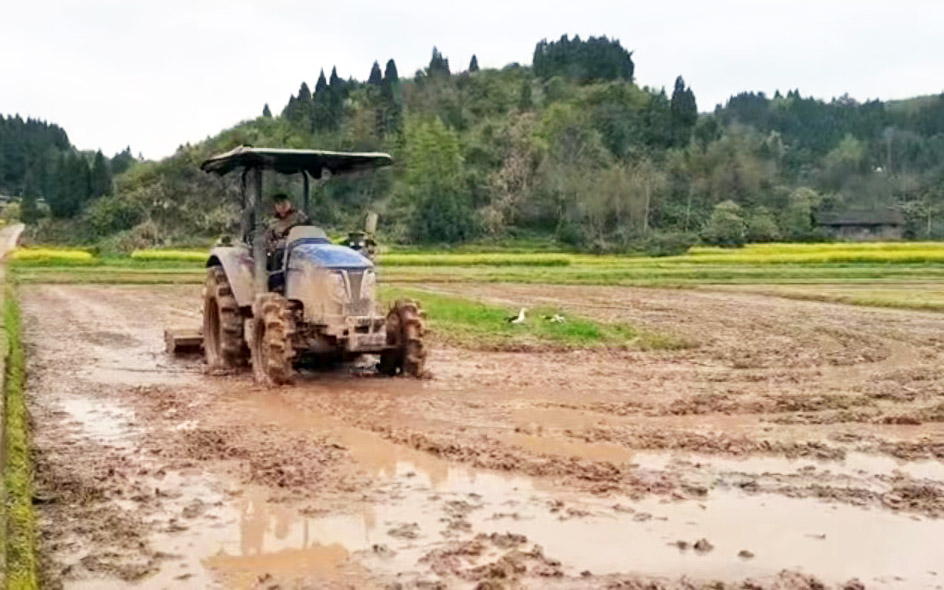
(668, 244)
(726, 226)
(761, 226)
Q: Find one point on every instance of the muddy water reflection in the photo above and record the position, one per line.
(100, 421)
(604, 535)
(279, 541)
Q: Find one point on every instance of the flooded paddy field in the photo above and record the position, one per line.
(795, 444)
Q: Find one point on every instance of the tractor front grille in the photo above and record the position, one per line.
(359, 305)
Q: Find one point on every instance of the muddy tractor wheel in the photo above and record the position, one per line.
(406, 353)
(272, 331)
(223, 342)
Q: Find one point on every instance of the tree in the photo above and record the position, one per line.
(389, 113)
(797, 220)
(124, 159)
(651, 181)
(597, 58)
(438, 65)
(304, 95)
(266, 112)
(390, 73)
(726, 226)
(761, 226)
(29, 210)
(706, 131)
(321, 85)
(100, 177)
(71, 185)
(684, 112)
(441, 210)
(375, 77)
(525, 102)
(335, 82)
(473, 64)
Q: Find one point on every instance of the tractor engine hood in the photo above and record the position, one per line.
(327, 256)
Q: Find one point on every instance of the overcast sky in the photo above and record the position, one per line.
(156, 74)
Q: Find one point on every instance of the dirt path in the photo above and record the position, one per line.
(795, 439)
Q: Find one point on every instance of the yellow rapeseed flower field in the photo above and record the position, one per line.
(63, 255)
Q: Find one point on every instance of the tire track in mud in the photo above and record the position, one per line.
(612, 463)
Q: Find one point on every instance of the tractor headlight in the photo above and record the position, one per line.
(338, 286)
(369, 285)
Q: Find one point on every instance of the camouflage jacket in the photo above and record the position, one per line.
(279, 227)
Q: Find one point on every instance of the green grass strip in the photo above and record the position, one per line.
(489, 259)
(474, 324)
(19, 526)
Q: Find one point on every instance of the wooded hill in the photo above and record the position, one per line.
(569, 149)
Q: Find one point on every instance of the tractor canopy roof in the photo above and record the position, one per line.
(286, 161)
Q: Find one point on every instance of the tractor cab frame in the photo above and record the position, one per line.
(323, 303)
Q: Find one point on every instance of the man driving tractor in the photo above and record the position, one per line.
(286, 217)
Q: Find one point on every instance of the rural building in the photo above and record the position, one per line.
(881, 224)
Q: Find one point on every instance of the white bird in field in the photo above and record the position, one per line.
(556, 319)
(518, 319)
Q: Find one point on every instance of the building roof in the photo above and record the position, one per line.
(872, 217)
(287, 161)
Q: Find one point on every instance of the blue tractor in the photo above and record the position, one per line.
(306, 299)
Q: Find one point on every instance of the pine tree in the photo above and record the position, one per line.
(684, 112)
(335, 83)
(390, 73)
(474, 64)
(71, 185)
(438, 65)
(123, 160)
(290, 109)
(29, 210)
(389, 114)
(304, 95)
(266, 112)
(375, 77)
(321, 85)
(100, 176)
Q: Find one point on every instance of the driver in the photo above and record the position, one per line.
(286, 217)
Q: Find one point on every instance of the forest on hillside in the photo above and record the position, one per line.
(569, 149)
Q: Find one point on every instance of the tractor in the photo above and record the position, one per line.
(308, 299)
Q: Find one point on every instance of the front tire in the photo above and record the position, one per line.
(223, 343)
(272, 331)
(405, 353)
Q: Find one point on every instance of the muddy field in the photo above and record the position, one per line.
(794, 445)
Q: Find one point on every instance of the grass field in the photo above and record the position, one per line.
(19, 543)
(476, 324)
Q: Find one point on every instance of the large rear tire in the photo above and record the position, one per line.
(223, 343)
(272, 333)
(406, 353)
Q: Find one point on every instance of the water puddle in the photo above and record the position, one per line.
(854, 465)
(602, 535)
(429, 503)
(102, 422)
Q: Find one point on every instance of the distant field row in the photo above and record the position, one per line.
(877, 253)
(907, 275)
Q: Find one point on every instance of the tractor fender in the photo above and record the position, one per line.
(238, 266)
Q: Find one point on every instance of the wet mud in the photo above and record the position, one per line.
(795, 445)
